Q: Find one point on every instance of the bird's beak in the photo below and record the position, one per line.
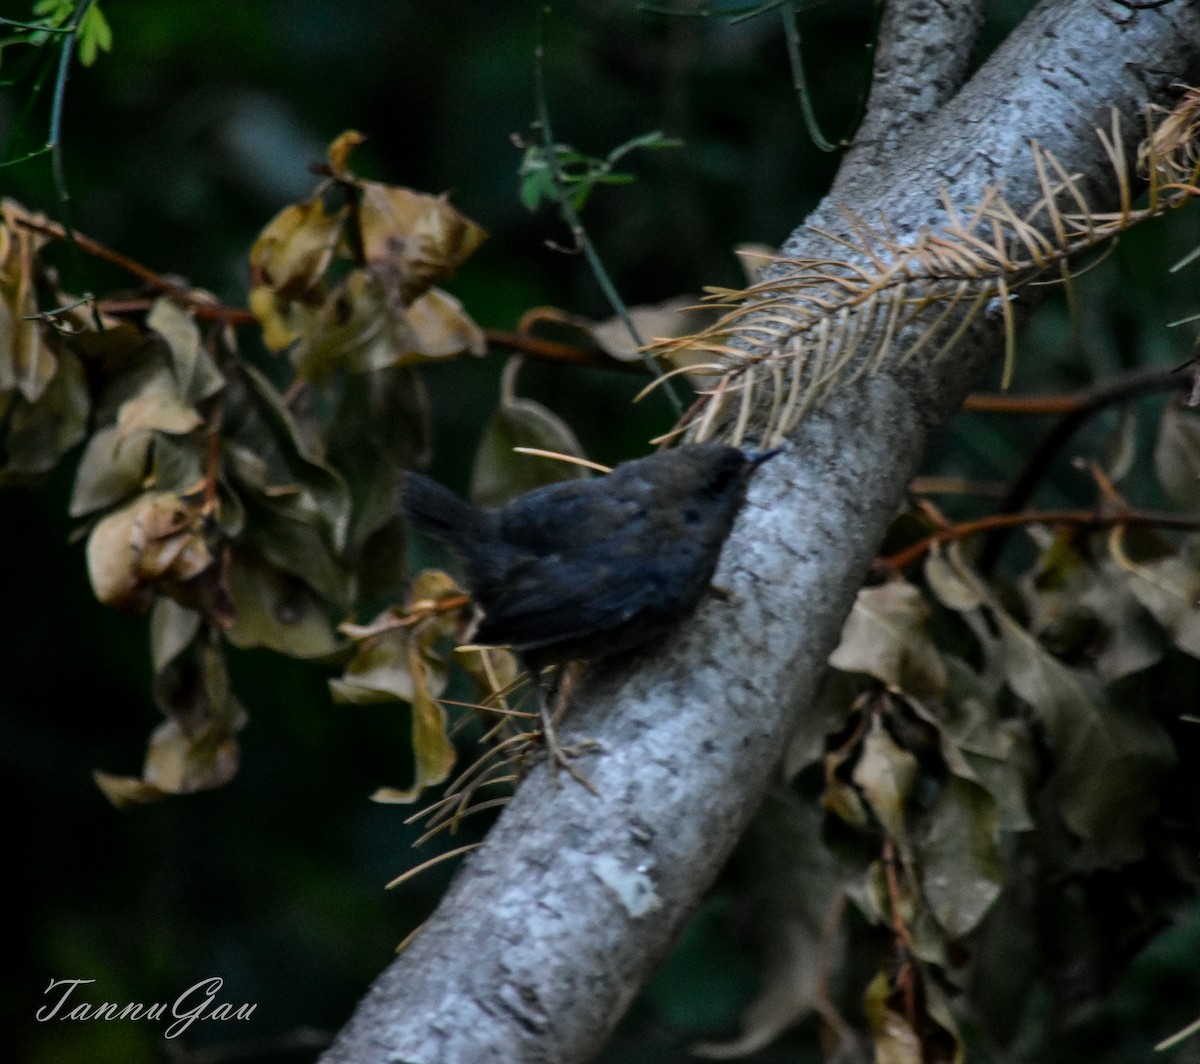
(756, 458)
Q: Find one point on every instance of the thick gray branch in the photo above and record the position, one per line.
(551, 927)
(922, 55)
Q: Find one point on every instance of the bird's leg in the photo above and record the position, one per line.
(552, 703)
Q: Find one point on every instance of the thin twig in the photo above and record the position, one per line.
(54, 140)
(206, 310)
(100, 251)
(906, 949)
(555, 351)
(571, 216)
(1084, 519)
(1074, 411)
(791, 34)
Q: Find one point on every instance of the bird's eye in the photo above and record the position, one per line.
(722, 478)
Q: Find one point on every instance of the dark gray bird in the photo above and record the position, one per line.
(587, 568)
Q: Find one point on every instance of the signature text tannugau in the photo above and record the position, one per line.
(197, 1002)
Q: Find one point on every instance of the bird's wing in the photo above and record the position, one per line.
(569, 516)
(560, 598)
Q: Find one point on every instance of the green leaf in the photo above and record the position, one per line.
(886, 636)
(41, 432)
(1177, 456)
(795, 890)
(1109, 760)
(56, 12)
(957, 853)
(196, 374)
(112, 469)
(885, 773)
(500, 474)
(276, 611)
(654, 141)
(1170, 590)
(380, 426)
(259, 425)
(95, 35)
(537, 185)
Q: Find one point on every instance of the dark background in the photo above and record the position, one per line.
(179, 146)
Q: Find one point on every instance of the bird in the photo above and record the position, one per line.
(586, 569)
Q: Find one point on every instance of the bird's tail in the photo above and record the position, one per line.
(438, 512)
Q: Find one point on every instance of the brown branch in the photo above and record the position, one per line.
(901, 560)
(1083, 402)
(212, 463)
(100, 251)
(934, 485)
(554, 351)
(201, 309)
(906, 950)
(988, 403)
(205, 309)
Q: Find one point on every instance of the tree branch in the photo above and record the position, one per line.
(922, 54)
(550, 928)
(1083, 519)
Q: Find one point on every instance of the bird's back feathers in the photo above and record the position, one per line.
(587, 568)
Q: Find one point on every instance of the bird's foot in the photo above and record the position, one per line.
(560, 755)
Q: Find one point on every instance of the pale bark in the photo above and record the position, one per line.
(922, 56)
(550, 929)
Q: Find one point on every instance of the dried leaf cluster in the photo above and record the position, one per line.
(385, 311)
(238, 512)
(988, 759)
